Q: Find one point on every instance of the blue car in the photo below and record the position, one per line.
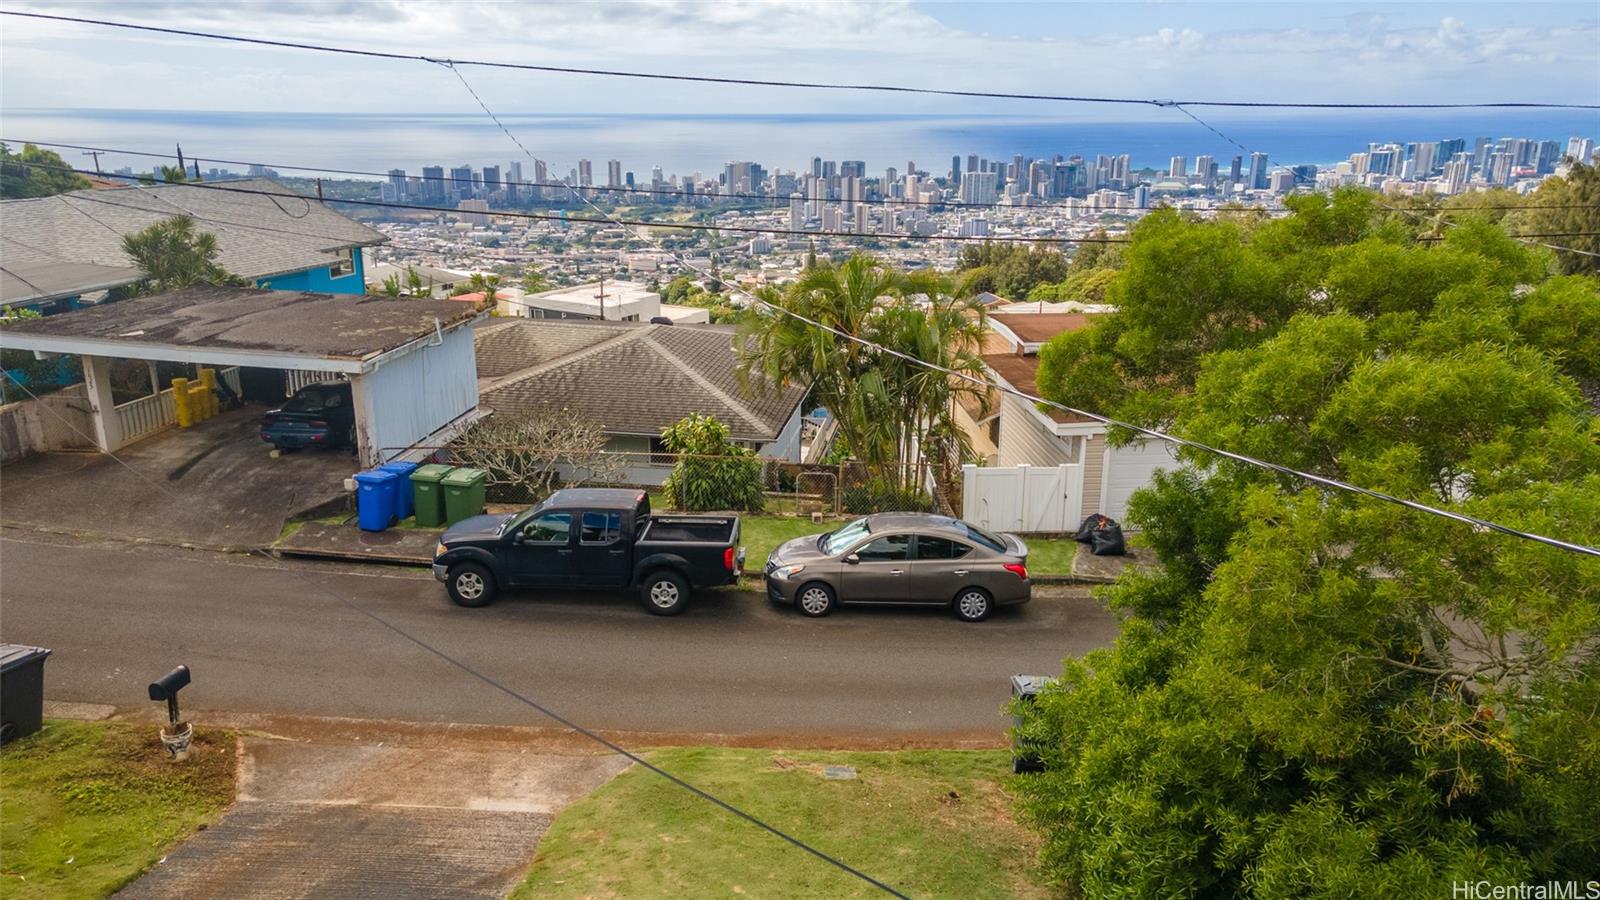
(318, 415)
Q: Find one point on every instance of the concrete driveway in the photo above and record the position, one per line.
(378, 819)
(213, 485)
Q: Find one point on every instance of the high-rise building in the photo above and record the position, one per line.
(1580, 149)
(394, 190)
(585, 172)
(1258, 171)
(613, 173)
(816, 167)
(861, 219)
(851, 192)
(1179, 167)
(433, 183)
(491, 179)
(541, 177)
(1424, 159)
(977, 226)
(797, 219)
(829, 169)
(972, 162)
(955, 169)
(461, 183)
(514, 187)
(1236, 170)
(978, 187)
(854, 168)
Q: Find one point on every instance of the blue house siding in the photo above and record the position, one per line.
(319, 280)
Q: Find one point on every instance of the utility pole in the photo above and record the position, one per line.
(96, 155)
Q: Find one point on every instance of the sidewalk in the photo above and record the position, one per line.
(347, 817)
(396, 546)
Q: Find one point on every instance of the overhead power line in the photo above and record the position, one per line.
(490, 680)
(1311, 477)
(809, 85)
(776, 200)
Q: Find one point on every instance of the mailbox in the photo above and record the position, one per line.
(167, 687)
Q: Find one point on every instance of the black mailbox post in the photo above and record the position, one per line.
(167, 687)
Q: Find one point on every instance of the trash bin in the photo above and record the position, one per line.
(375, 499)
(463, 494)
(21, 690)
(427, 495)
(404, 504)
(1025, 751)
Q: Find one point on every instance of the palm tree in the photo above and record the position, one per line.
(893, 414)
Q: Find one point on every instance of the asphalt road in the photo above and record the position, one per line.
(272, 637)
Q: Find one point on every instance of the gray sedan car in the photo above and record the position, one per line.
(903, 559)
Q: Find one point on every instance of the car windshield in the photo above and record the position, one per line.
(307, 401)
(834, 541)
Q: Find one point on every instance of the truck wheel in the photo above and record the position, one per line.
(664, 592)
(471, 585)
(815, 600)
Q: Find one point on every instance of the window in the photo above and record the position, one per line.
(988, 539)
(600, 528)
(346, 264)
(836, 541)
(890, 548)
(940, 548)
(550, 528)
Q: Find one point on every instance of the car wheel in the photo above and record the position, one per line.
(665, 593)
(470, 585)
(973, 605)
(815, 599)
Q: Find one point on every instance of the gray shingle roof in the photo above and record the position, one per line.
(628, 377)
(72, 243)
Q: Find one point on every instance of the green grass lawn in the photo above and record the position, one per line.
(929, 823)
(87, 806)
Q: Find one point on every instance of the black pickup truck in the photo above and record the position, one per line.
(602, 538)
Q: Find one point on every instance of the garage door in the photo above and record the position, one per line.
(1129, 468)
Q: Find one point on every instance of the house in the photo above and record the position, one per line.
(63, 251)
(1015, 432)
(611, 301)
(436, 281)
(633, 380)
(410, 365)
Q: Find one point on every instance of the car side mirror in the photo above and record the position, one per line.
(519, 537)
(852, 559)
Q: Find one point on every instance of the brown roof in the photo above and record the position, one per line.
(1036, 328)
(233, 318)
(629, 377)
(1021, 372)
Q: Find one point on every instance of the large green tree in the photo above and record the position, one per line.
(1568, 209)
(36, 172)
(1316, 693)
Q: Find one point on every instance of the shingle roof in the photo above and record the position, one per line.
(1040, 327)
(1022, 373)
(71, 243)
(628, 377)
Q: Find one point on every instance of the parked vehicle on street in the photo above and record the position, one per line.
(902, 559)
(318, 415)
(590, 538)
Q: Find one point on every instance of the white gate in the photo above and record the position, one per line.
(1022, 498)
(295, 379)
(1128, 469)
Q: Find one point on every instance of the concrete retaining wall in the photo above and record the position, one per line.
(57, 421)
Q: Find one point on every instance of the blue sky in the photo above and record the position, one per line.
(1417, 51)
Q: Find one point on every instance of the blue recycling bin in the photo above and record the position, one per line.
(375, 499)
(404, 502)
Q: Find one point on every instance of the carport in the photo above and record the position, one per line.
(410, 363)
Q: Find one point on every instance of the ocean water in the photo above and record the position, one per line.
(683, 144)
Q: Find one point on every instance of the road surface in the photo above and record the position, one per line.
(273, 637)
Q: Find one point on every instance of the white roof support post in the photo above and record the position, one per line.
(103, 407)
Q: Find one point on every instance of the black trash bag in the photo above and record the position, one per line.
(1090, 526)
(1108, 541)
(1103, 535)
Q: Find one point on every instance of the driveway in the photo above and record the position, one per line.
(331, 819)
(214, 485)
(272, 637)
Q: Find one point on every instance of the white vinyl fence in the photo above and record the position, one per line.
(1023, 498)
(295, 379)
(148, 415)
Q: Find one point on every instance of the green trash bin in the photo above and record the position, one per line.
(463, 494)
(428, 494)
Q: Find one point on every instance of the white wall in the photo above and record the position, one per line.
(1129, 468)
(410, 397)
(787, 445)
(1026, 439)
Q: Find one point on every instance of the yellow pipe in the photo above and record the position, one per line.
(180, 402)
